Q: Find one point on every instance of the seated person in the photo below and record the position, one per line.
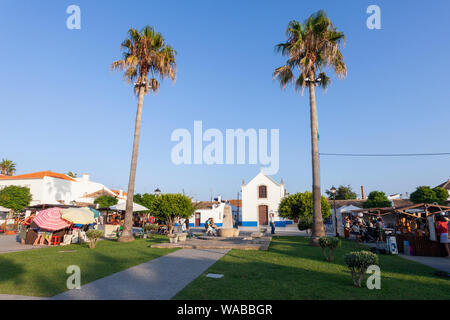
(210, 227)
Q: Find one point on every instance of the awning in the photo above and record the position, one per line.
(122, 207)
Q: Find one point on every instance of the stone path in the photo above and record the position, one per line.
(158, 279)
(10, 244)
(220, 243)
(439, 263)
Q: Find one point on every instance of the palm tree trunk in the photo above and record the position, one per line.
(317, 227)
(127, 234)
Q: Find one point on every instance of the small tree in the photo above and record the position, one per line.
(151, 228)
(15, 198)
(441, 195)
(424, 194)
(147, 200)
(300, 206)
(329, 246)
(358, 262)
(343, 193)
(106, 201)
(377, 199)
(171, 207)
(93, 235)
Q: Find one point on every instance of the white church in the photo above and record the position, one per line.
(260, 198)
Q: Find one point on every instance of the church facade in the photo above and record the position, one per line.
(260, 198)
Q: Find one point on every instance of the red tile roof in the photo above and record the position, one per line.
(38, 175)
(234, 203)
(117, 192)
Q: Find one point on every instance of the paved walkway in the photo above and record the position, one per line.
(438, 263)
(219, 243)
(11, 244)
(158, 279)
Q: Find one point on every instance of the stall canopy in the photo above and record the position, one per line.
(78, 215)
(96, 213)
(51, 220)
(122, 207)
(3, 209)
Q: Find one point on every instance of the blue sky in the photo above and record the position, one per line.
(62, 109)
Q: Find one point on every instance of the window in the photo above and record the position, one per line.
(262, 192)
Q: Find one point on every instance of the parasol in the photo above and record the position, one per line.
(50, 219)
(78, 215)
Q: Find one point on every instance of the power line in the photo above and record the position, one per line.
(385, 154)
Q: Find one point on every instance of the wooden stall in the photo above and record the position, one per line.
(415, 224)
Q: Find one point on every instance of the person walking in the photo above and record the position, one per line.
(347, 226)
(442, 231)
(272, 223)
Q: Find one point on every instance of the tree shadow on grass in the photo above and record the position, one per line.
(48, 276)
(10, 271)
(244, 279)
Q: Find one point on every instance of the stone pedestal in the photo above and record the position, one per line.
(227, 230)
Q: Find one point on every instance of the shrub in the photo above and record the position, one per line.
(304, 225)
(93, 235)
(358, 262)
(331, 244)
(150, 228)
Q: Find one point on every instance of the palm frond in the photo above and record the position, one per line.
(311, 47)
(146, 52)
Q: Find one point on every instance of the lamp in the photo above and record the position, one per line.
(333, 192)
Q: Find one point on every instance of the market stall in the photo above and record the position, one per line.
(414, 227)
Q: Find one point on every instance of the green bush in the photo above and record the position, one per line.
(358, 262)
(304, 225)
(329, 245)
(150, 228)
(93, 235)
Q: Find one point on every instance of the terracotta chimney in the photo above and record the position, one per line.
(363, 196)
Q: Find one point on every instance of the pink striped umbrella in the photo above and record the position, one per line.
(51, 220)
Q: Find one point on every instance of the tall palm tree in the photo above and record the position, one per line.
(144, 52)
(310, 48)
(7, 167)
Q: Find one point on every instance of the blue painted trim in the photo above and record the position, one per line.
(289, 222)
(249, 223)
(203, 225)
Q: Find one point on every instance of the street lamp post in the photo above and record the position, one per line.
(333, 192)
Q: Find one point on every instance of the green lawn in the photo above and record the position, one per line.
(42, 272)
(291, 269)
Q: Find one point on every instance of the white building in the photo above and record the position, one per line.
(53, 188)
(205, 210)
(261, 197)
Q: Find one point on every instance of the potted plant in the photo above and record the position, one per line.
(93, 235)
(182, 237)
(173, 238)
(358, 262)
(329, 245)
